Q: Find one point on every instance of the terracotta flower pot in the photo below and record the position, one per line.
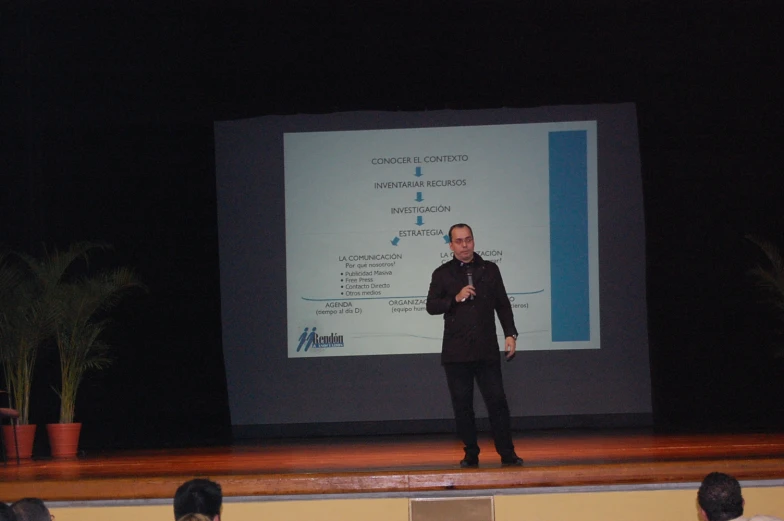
(25, 434)
(64, 439)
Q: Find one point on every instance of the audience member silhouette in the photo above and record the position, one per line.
(720, 499)
(30, 509)
(198, 496)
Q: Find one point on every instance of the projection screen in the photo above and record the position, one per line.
(331, 225)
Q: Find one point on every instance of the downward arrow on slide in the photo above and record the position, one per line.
(419, 198)
(446, 239)
(420, 222)
(418, 171)
(395, 241)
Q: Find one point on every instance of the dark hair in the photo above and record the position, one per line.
(720, 497)
(459, 225)
(6, 514)
(198, 496)
(30, 509)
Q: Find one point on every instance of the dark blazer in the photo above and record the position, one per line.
(469, 327)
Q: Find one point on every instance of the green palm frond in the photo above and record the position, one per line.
(769, 278)
(81, 309)
(24, 323)
(39, 300)
(53, 266)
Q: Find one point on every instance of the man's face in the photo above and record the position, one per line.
(462, 244)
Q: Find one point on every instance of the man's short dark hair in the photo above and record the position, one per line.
(30, 509)
(459, 225)
(720, 497)
(198, 496)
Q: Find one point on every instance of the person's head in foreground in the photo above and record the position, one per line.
(720, 499)
(30, 509)
(198, 496)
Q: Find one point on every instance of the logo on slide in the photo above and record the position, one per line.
(316, 341)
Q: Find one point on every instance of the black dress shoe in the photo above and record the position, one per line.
(512, 462)
(469, 463)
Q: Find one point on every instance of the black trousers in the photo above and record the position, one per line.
(460, 378)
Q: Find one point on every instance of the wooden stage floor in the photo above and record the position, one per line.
(400, 464)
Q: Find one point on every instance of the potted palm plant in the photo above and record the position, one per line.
(82, 316)
(27, 318)
(20, 313)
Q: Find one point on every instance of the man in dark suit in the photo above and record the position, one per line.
(469, 291)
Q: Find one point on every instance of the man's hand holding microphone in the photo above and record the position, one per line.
(467, 293)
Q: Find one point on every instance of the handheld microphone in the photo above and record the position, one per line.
(470, 281)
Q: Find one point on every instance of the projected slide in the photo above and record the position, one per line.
(367, 220)
(330, 227)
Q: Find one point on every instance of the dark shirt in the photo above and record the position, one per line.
(469, 327)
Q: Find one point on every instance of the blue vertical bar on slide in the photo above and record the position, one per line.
(569, 236)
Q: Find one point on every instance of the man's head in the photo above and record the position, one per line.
(30, 509)
(461, 242)
(720, 498)
(198, 496)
